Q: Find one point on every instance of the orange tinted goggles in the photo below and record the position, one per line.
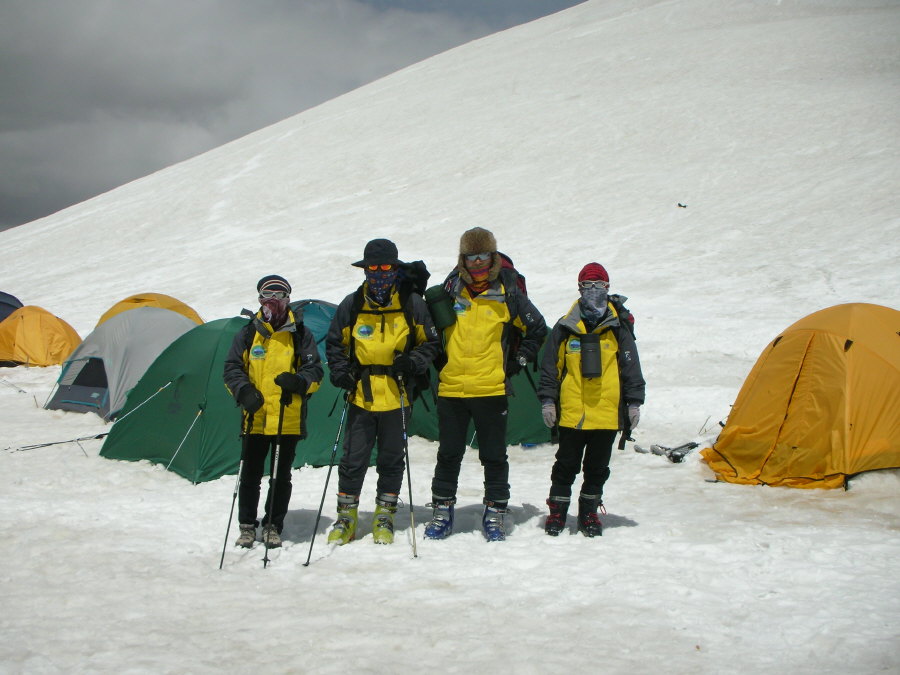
(383, 268)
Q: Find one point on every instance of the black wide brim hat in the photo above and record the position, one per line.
(379, 252)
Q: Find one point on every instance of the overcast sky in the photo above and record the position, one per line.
(97, 93)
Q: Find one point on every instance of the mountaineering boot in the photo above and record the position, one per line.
(247, 537)
(441, 525)
(556, 521)
(344, 530)
(383, 523)
(588, 521)
(492, 521)
(270, 536)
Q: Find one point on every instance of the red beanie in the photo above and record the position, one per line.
(593, 272)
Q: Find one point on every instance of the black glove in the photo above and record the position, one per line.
(515, 365)
(292, 383)
(250, 399)
(344, 380)
(404, 365)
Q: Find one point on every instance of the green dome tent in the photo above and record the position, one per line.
(181, 416)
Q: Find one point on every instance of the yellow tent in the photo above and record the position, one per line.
(151, 300)
(33, 336)
(822, 403)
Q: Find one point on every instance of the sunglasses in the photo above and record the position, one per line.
(593, 284)
(384, 268)
(268, 295)
(478, 257)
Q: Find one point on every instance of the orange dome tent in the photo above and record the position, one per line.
(822, 403)
(33, 336)
(151, 300)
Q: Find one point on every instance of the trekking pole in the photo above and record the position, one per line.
(312, 539)
(626, 434)
(237, 483)
(530, 378)
(412, 517)
(272, 485)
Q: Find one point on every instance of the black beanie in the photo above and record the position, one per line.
(273, 282)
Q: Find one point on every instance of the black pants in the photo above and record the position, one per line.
(489, 413)
(258, 447)
(595, 445)
(364, 429)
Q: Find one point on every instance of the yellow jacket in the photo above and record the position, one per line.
(364, 339)
(477, 343)
(258, 355)
(591, 403)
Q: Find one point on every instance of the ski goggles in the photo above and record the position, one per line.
(477, 257)
(593, 284)
(384, 268)
(268, 295)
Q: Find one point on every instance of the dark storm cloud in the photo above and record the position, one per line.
(99, 92)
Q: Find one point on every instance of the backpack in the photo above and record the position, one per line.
(626, 318)
(412, 279)
(519, 278)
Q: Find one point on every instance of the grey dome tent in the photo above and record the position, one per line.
(111, 360)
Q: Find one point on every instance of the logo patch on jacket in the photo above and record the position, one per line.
(364, 331)
(575, 346)
(459, 308)
(258, 352)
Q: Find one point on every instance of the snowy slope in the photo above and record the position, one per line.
(573, 138)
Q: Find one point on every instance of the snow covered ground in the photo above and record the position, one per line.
(573, 138)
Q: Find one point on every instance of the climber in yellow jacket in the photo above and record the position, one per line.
(272, 368)
(496, 331)
(591, 382)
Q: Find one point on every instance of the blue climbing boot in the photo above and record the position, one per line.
(492, 521)
(441, 525)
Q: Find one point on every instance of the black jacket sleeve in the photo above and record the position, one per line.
(309, 365)
(535, 327)
(424, 352)
(337, 352)
(236, 377)
(630, 374)
(550, 375)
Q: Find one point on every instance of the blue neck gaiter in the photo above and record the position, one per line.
(379, 284)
